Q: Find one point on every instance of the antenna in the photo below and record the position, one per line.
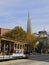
(44, 28)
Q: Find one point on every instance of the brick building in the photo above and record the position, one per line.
(3, 31)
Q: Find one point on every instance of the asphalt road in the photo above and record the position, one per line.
(33, 60)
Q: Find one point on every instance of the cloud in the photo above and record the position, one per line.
(15, 12)
(40, 28)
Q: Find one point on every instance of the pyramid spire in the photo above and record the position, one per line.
(29, 24)
(28, 14)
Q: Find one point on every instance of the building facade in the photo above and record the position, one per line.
(3, 31)
(43, 41)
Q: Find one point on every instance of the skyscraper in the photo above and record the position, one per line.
(29, 29)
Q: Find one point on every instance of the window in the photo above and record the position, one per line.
(18, 46)
(15, 45)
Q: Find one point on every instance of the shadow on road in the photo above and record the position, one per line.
(39, 57)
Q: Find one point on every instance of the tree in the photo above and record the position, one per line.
(19, 34)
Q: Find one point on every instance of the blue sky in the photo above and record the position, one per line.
(15, 13)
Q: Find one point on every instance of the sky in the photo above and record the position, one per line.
(15, 13)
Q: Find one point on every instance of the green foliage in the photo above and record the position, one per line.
(40, 47)
(19, 34)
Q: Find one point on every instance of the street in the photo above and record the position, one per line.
(33, 60)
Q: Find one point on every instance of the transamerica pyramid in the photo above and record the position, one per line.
(29, 28)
